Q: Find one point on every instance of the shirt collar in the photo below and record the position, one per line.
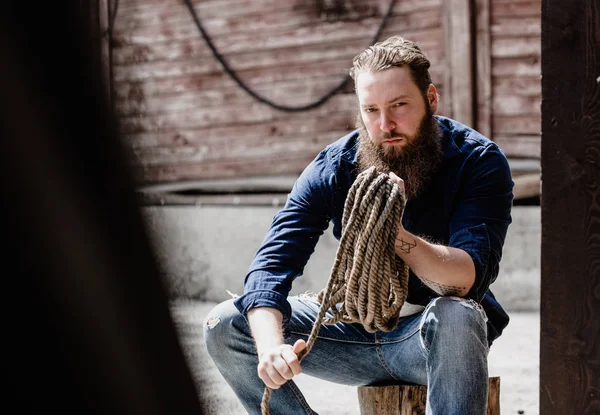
(450, 147)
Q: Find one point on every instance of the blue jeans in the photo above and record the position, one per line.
(445, 347)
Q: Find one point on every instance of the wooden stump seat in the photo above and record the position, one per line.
(410, 399)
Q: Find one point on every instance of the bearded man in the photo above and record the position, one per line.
(458, 189)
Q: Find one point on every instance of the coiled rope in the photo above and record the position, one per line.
(368, 282)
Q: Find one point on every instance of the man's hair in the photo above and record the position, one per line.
(392, 52)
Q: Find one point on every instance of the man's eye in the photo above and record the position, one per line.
(399, 104)
(369, 109)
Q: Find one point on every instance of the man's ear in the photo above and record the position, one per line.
(432, 97)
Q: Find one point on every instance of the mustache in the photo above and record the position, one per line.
(390, 135)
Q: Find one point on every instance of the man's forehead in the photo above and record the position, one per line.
(385, 84)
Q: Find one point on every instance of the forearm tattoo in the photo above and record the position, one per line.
(405, 246)
(443, 289)
(438, 287)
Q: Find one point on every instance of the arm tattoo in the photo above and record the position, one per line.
(442, 289)
(405, 246)
(438, 287)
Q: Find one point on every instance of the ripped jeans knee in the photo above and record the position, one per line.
(455, 322)
(224, 328)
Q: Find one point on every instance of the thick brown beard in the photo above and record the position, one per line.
(414, 163)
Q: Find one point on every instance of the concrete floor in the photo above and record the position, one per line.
(514, 357)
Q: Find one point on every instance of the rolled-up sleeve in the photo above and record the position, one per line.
(483, 213)
(290, 240)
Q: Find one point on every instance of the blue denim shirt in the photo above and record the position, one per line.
(466, 205)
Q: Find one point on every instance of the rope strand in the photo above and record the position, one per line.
(368, 283)
(233, 75)
(316, 103)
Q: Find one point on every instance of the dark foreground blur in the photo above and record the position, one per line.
(87, 324)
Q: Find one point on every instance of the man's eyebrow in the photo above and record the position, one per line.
(398, 98)
(391, 101)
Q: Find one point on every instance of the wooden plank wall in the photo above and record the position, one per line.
(516, 76)
(187, 120)
(460, 77)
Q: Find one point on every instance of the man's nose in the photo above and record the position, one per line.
(387, 125)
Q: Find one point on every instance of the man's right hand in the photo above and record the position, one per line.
(280, 364)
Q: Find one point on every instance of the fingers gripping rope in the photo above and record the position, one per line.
(368, 283)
